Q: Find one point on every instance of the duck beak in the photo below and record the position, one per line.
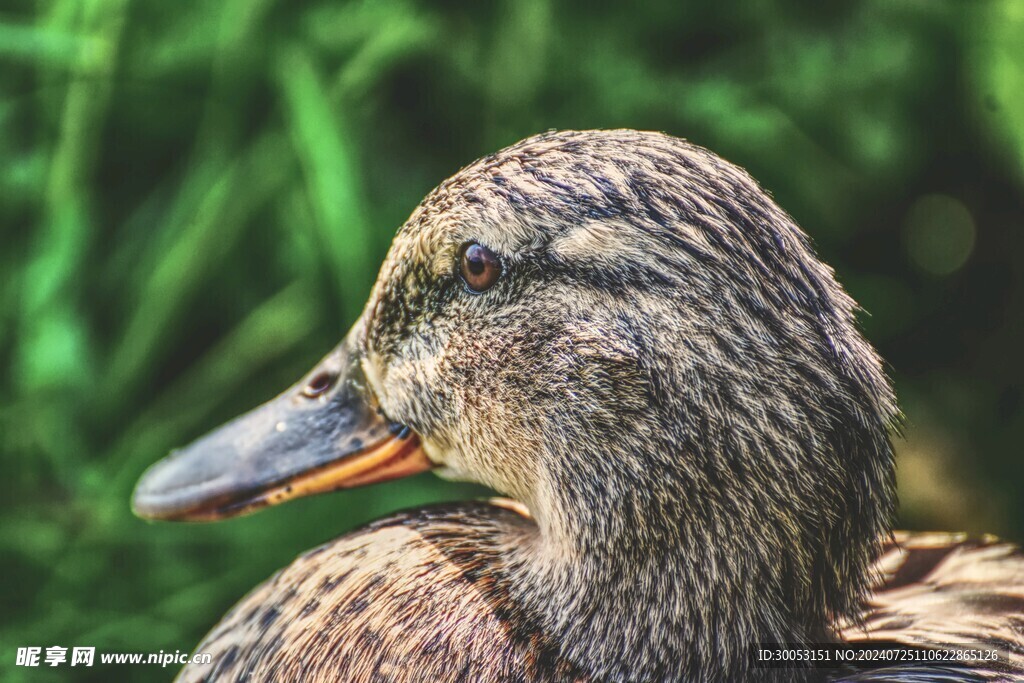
(321, 435)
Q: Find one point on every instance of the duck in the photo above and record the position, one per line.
(625, 337)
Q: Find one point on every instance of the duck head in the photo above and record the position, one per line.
(623, 332)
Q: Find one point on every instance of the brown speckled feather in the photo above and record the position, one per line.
(942, 588)
(421, 596)
(418, 596)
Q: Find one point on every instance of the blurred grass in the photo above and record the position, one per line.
(194, 198)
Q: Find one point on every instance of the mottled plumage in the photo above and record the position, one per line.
(354, 609)
(940, 588)
(668, 379)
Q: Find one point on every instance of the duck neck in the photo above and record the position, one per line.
(696, 592)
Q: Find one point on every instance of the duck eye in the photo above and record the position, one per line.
(320, 382)
(479, 266)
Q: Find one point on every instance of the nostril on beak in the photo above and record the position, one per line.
(319, 384)
(400, 431)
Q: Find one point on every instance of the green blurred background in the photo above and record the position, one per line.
(195, 195)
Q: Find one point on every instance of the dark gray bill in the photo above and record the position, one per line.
(321, 435)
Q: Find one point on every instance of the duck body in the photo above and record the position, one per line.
(623, 333)
(426, 595)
